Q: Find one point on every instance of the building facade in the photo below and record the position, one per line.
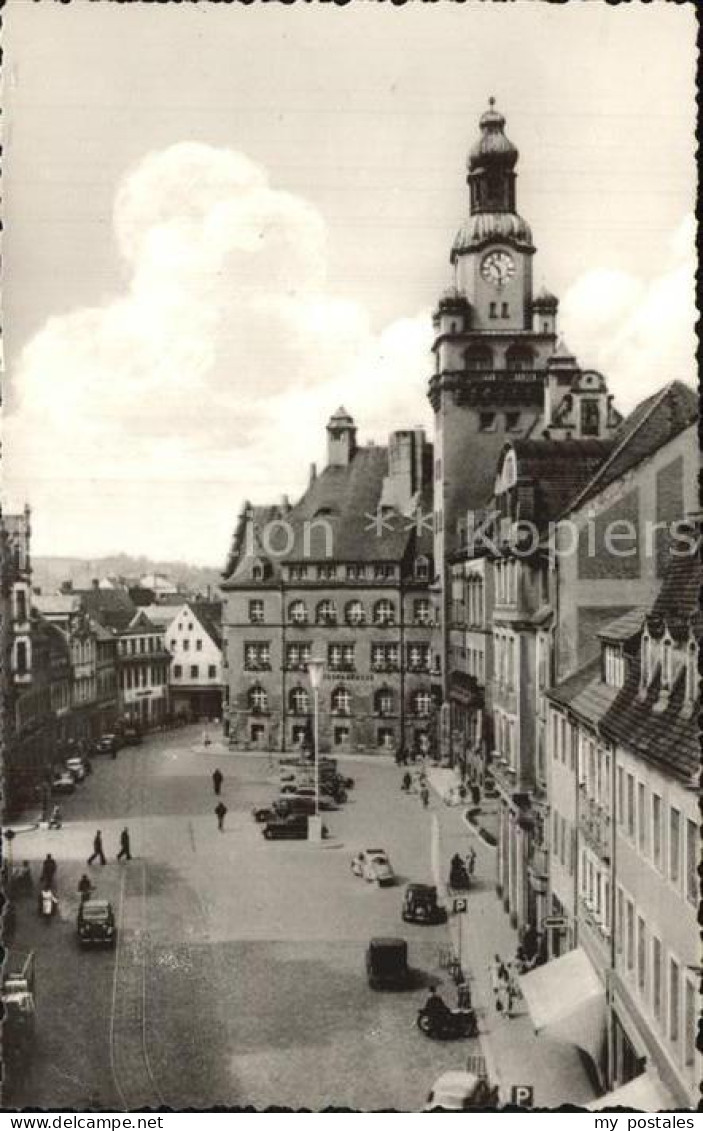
(193, 636)
(344, 576)
(624, 760)
(143, 663)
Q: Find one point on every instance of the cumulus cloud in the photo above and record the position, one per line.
(217, 366)
(639, 332)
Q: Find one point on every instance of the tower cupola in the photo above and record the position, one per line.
(491, 166)
(341, 439)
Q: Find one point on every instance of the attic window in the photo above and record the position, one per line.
(614, 665)
(422, 568)
(258, 573)
(512, 421)
(666, 663)
(692, 678)
(486, 422)
(321, 512)
(645, 663)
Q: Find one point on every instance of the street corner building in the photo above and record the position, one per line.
(343, 575)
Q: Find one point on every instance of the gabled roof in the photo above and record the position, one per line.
(56, 604)
(624, 627)
(139, 624)
(112, 607)
(209, 614)
(655, 422)
(678, 602)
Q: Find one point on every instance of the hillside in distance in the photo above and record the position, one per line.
(48, 572)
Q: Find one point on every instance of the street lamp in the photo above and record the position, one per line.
(316, 669)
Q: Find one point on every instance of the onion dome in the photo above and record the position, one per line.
(493, 147)
(545, 300)
(482, 227)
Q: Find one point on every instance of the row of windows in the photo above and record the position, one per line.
(563, 841)
(141, 645)
(185, 644)
(481, 357)
(146, 675)
(505, 737)
(383, 612)
(341, 700)
(642, 817)
(340, 657)
(194, 671)
(331, 571)
(506, 580)
(663, 657)
(670, 998)
(614, 665)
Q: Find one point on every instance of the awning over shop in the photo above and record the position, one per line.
(644, 1093)
(566, 1000)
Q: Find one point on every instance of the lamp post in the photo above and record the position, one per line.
(316, 669)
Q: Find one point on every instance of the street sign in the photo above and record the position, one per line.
(554, 922)
(459, 906)
(522, 1095)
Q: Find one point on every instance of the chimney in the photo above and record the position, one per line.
(95, 583)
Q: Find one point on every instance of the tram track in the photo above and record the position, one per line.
(130, 1064)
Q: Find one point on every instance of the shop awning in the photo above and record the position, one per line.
(566, 1000)
(644, 1093)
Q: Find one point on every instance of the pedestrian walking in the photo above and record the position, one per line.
(124, 852)
(425, 796)
(85, 888)
(220, 811)
(48, 871)
(217, 781)
(98, 853)
(471, 860)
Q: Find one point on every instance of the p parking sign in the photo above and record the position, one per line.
(522, 1095)
(459, 906)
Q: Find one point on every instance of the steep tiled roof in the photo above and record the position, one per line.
(654, 422)
(559, 469)
(625, 627)
(112, 607)
(56, 604)
(678, 602)
(337, 513)
(584, 693)
(209, 613)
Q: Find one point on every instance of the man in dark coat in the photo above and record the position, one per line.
(97, 849)
(217, 781)
(220, 810)
(48, 872)
(124, 846)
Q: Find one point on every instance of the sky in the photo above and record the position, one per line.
(224, 221)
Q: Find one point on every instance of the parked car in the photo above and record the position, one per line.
(294, 827)
(132, 736)
(387, 964)
(374, 866)
(95, 924)
(459, 1090)
(420, 905)
(108, 744)
(76, 768)
(63, 782)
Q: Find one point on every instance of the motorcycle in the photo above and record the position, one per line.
(453, 1024)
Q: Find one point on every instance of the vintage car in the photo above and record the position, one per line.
(374, 866)
(132, 736)
(95, 924)
(459, 1090)
(63, 782)
(77, 768)
(387, 964)
(108, 744)
(294, 827)
(420, 905)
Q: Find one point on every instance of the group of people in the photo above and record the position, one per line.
(505, 988)
(220, 808)
(98, 853)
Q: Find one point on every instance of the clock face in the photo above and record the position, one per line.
(498, 268)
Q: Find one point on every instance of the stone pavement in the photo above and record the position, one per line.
(514, 1054)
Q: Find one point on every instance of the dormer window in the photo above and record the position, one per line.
(667, 655)
(422, 568)
(692, 677)
(257, 570)
(614, 665)
(645, 662)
